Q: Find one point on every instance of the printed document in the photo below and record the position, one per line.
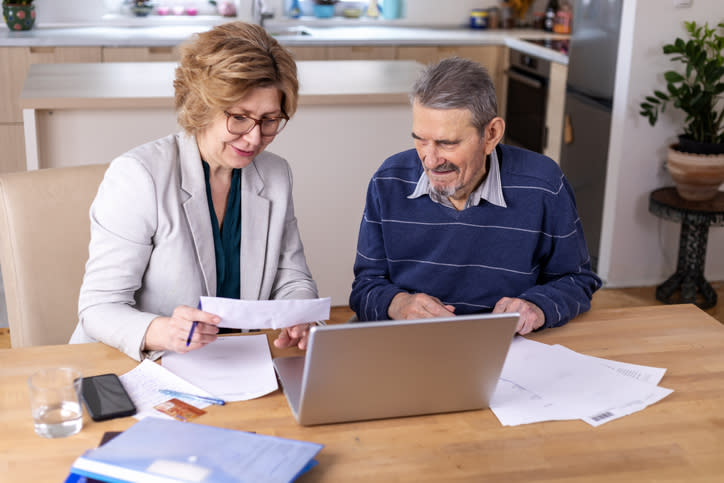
(144, 382)
(233, 368)
(266, 314)
(542, 383)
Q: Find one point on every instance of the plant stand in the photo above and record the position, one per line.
(695, 217)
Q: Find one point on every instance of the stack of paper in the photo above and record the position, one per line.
(542, 383)
(159, 450)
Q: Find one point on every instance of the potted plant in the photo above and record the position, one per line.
(19, 14)
(696, 162)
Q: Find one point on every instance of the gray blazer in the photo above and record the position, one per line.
(152, 247)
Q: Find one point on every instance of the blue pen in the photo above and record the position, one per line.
(193, 327)
(191, 333)
(196, 397)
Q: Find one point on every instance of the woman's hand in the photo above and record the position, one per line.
(171, 333)
(296, 335)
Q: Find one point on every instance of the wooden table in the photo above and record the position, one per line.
(680, 438)
(695, 217)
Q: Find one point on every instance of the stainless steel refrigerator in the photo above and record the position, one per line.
(588, 104)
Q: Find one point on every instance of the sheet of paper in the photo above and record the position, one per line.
(233, 368)
(266, 314)
(647, 374)
(144, 382)
(567, 385)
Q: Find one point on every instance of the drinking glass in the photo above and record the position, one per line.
(55, 402)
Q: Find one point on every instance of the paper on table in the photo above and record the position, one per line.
(647, 374)
(233, 368)
(144, 382)
(266, 314)
(644, 374)
(565, 385)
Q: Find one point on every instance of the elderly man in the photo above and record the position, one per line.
(464, 224)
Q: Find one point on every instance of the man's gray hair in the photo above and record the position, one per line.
(457, 83)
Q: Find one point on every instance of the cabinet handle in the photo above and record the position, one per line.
(42, 50)
(160, 50)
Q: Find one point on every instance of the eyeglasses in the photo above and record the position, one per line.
(270, 126)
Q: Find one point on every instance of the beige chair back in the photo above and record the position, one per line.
(44, 235)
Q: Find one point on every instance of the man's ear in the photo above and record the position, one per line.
(494, 134)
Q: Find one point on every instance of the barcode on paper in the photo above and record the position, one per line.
(602, 416)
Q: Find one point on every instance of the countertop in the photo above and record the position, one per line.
(148, 85)
(287, 34)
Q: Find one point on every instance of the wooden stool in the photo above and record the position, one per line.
(695, 217)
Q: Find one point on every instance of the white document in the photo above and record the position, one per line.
(144, 382)
(542, 383)
(647, 374)
(233, 368)
(266, 314)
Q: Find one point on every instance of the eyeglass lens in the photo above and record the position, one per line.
(242, 125)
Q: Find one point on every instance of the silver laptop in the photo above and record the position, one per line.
(376, 370)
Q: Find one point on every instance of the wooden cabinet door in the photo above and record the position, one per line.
(362, 52)
(141, 54)
(14, 63)
(305, 52)
(491, 56)
(12, 141)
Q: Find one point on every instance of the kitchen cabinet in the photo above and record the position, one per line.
(14, 63)
(13, 147)
(491, 56)
(141, 54)
(362, 52)
(305, 52)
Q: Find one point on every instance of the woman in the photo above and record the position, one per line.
(202, 212)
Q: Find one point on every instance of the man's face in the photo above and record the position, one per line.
(452, 152)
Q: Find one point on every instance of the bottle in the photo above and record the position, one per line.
(550, 15)
(564, 15)
(373, 10)
(295, 11)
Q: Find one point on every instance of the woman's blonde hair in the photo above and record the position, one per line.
(220, 66)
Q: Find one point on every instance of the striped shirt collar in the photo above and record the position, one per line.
(490, 190)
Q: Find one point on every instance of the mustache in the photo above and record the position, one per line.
(447, 166)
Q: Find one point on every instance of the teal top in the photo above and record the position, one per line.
(227, 240)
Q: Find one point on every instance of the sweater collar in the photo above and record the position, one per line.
(490, 190)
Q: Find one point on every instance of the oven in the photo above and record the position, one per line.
(525, 114)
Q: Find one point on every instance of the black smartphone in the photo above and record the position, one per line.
(106, 398)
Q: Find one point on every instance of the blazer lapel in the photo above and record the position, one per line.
(254, 232)
(196, 208)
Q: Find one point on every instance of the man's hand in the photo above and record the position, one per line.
(171, 333)
(417, 306)
(531, 316)
(296, 335)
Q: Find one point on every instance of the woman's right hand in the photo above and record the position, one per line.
(171, 333)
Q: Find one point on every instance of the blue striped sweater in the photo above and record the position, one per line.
(534, 249)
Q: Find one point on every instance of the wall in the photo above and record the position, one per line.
(419, 12)
(638, 248)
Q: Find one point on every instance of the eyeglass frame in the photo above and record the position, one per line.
(257, 122)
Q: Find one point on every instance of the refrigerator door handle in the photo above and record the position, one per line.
(524, 79)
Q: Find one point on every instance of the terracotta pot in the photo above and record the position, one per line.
(697, 176)
(19, 17)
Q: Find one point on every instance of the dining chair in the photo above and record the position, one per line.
(44, 236)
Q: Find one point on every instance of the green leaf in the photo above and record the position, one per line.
(661, 95)
(672, 76)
